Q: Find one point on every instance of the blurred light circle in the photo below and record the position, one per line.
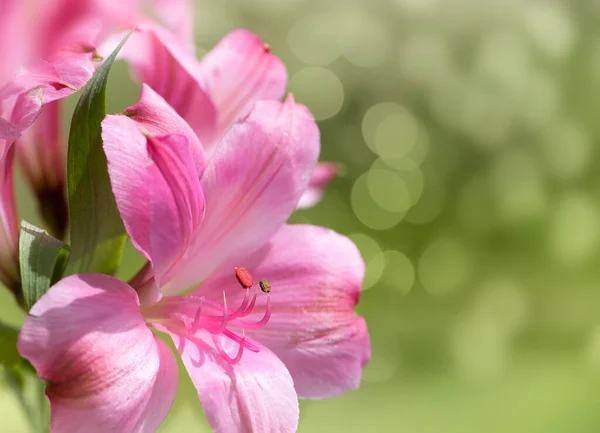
(320, 89)
(551, 28)
(391, 131)
(373, 257)
(444, 267)
(574, 232)
(388, 190)
(364, 40)
(373, 118)
(313, 39)
(409, 172)
(567, 149)
(368, 211)
(399, 272)
(430, 203)
(419, 151)
(396, 135)
(519, 186)
(424, 57)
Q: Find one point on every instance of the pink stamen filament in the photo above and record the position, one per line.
(224, 354)
(262, 322)
(217, 324)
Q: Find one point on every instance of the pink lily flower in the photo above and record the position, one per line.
(250, 353)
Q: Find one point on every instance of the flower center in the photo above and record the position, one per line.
(186, 315)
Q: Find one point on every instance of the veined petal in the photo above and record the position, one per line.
(324, 173)
(106, 371)
(157, 190)
(176, 201)
(316, 276)
(236, 73)
(156, 117)
(252, 185)
(255, 395)
(157, 59)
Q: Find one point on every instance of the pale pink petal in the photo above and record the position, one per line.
(158, 60)
(252, 185)
(9, 225)
(105, 370)
(239, 71)
(324, 173)
(316, 276)
(156, 187)
(255, 395)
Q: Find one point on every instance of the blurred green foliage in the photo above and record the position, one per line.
(468, 130)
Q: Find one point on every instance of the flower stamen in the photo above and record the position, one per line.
(262, 322)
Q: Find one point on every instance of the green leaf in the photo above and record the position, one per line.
(42, 259)
(9, 357)
(97, 234)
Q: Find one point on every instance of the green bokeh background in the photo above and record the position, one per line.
(468, 131)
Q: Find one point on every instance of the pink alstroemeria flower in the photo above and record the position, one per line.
(215, 92)
(250, 354)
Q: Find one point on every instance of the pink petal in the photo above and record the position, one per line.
(9, 225)
(158, 60)
(157, 190)
(40, 85)
(239, 71)
(12, 29)
(8, 129)
(324, 173)
(176, 201)
(252, 185)
(40, 150)
(156, 117)
(316, 276)
(106, 371)
(255, 395)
